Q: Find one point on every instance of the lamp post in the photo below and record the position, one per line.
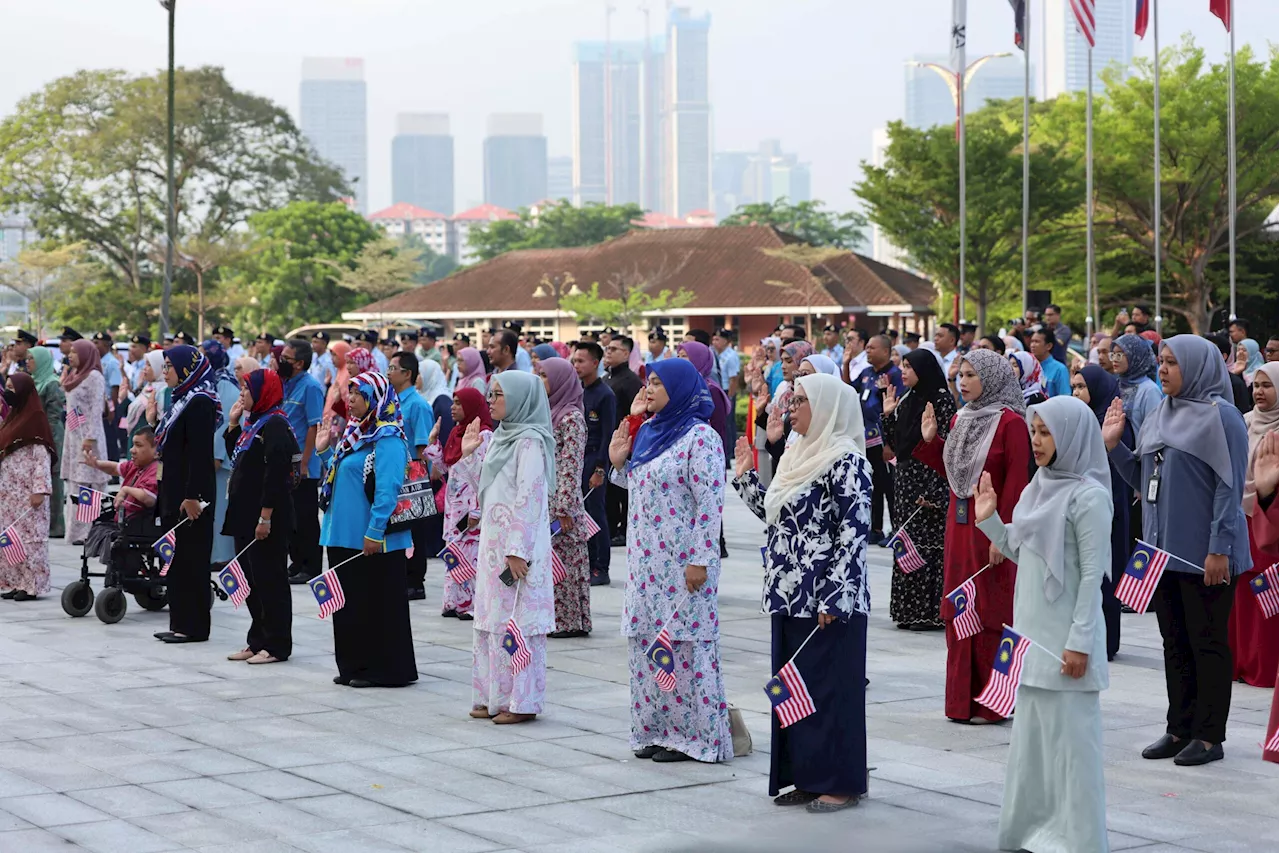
(557, 287)
(170, 223)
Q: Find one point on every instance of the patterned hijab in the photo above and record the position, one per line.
(1027, 368)
(688, 404)
(1142, 364)
(799, 351)
(195, 379)
(528, 415)
(383, 420)
(965, 452)
(90, 360)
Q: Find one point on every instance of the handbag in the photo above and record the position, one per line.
(739, 733)
(416, 500)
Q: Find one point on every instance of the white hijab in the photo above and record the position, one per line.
(835, 430)
(433, 381)
(1080, 464)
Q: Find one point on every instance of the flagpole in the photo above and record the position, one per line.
(30, 509)
(960, 81)
(1231, 153)
(1026, 146)
(1088, 133)
(242, 550)
(1156, 212)
(1037, 645)
(344, 562)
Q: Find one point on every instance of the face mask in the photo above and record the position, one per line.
(10, 397)
(285, 369)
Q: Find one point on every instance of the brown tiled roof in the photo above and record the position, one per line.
(723, 267)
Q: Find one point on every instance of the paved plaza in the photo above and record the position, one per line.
(111, 741)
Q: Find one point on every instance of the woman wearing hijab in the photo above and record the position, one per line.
(1030, 377)
(542, 351)
(988, 435)
(675, 481)
(342, 374)
(152, 388)
(184, 445)
(435, 391)
(1264, 534)
(1054, 791)
(818, 364)
(462, 502)
(701, 357)
(1190, 470)
(1254, 650)
(772, 369)
(54, 402)
(259, 515)
(513, 572)
(85, 387)
(228, 388)
(818, 512)
(919, 492)
(471, 368)
(569, 425)
(26, 481)
(372, 641)
(1098, 388)
(1134, 364)
(1248, 359)
(772, 417)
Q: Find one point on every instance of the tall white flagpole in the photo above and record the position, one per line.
(1026, 147)
(958, 14)
(1231, 154)
(1088, 147)
(1156, 211)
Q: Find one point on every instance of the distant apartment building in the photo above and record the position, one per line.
(422, 162)
(403, 219)
(687, 170)
(560, 178)
(609, 121)
(928, 97)
(881, 249)
(470, 220)
(333, 117)
(1067, 53)
(767, 174)
(515, 160)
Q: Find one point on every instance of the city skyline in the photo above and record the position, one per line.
(471, 61)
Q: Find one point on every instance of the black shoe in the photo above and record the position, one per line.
(160, 635)
(417, 594)
(450, 614)
(670, 756)
(23, 595)
(299, 578)
(648, 751)
(878, 539)
(618, 542)
(567, 635)
(10, 594)
(339, 679)
(174, 638)
(465, 617)
(1196, 753)
(599, 578)
(1166, 747)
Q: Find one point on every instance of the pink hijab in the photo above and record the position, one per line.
(90, 360)
(561, 349)
(472, 364)
(566, 388)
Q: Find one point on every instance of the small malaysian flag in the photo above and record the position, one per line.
(1141, 576)
(328, 593)
(459, 568)
(662, 656)
(165, 547)
(233, 583)
(76, 419)
(1273, 742)
(589, 526)
(789, 695)
(1001, 692)
(513, 644)
(904, 551)
(558, 572)
(11, 547)
(874, 438)
(1263, 588)
(88, 505)
(964, 598)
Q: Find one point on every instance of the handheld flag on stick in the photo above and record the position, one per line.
(11, 546)
(460, 568)
(964, 599)
(789, 695)
(558, 572)
(1263, 588)
(164, 547)
(88, 505)
(874, 438)
(1001, 692)
(904, 551)
(76, 419)
(328, 592)
(589, 526)
(1141, 576)
(233, 582)
(662, 656)
(513, 644)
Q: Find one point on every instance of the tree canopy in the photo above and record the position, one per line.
(559, 225)
(808, 220)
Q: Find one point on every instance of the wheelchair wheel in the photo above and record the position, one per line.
(111, 605)
(77, 598)
(151, 599)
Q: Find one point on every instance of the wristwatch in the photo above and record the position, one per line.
(265, 521)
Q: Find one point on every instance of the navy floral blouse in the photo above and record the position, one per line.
(815, 560)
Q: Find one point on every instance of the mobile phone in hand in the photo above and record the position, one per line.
(463, 524)
(506, 577)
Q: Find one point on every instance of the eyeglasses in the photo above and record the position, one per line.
(796, 402)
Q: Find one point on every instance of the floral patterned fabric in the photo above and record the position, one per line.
(25, 472)
(493, 685)
(89, 397)
(816, 554)
(694, 717)
(460, 499)
(573, 594)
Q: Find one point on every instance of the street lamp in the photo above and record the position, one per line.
(557, 286)
(170, 224)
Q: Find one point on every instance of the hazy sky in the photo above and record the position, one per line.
(818, 74)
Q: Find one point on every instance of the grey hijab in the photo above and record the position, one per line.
(1079, 466)
(1142, 364)
(1191, 421)
(528, 416)
(965, 452)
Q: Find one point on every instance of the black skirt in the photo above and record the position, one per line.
(826, 752)
(372, 640)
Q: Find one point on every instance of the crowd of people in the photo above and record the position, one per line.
(1011, 476)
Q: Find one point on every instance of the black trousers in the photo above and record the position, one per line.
(881, 488)
(416, 566)
(616, 509)
(188, 579)
(304, 544)
(598, 546)
(1197, 656)
(372, 639)
(112, 434)
(266, 568)
(1111, 613)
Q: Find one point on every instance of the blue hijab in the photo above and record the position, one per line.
(545, 351)
(195, 379)
(688, 404)
(219, 361)
(1103, 388)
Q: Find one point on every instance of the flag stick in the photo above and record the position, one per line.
(203, 504)
(1088, 144)
(348, 560)
(816, 629)
(904, 524)
(242, 550)
(30, 509)
(1231, 153)
(515, 602)
(1156, 215)
(1199, 569)
(1038, 646)
(1026, 147)
(972, 576)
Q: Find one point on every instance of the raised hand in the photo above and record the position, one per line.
(620, 446)
(1266, 465)
(435, 433)
(773, 429)
(471, 438)
(928, 424)
(743, 458)
(889, 400)
(1113, 424)
(984, 499)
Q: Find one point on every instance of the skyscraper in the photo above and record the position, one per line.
(515, 160)
(333, 117)
(928, 98)
(422, 162)
(881, 249)
(1067, 53)
(624, 104)
(687, 172)
(560, 178)
(765, 175)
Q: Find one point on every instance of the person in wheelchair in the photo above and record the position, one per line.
(136, 497)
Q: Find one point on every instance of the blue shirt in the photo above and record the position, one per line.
(322, 369)
(835, 353)
(380, 361)
(228, 393)
(730, 366)
(1057, 382)
(523, 362)
(650, 358)
(418, 419)
(344, 524)
(303, 405)
(869, 396)
(774, 377)
(600, 408)
(111, 372)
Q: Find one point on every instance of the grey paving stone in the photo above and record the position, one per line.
(350, 810)
(32, 841)
(128, 801)
(10, 822)
(430, 835)
(204, 793)
(115, 836)
(46, 810)
(276, 784)
(427, 802)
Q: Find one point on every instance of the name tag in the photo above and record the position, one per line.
(962, 510)
(866, 392)
(1153, 488)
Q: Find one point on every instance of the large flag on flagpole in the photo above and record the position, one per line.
(1222, 9)
(1140, 18)
(1019, 25)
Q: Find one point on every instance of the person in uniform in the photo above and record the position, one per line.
(600, 407)
(523, 360)
(658, 349)
(831, 347)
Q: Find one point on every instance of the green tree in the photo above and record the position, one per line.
(556, 226)
(915, 200)
(808, 258)
(383, 268)
(45, 275)
(434, 266)
(808, 220)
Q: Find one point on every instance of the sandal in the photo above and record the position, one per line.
(243, 654)
(263, 656)
(819, 807)
(506, 718)
(481, 714)
(795, 798)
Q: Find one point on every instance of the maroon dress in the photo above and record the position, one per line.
(969, 661)
(1255, 645)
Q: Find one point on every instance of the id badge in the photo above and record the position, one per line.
(866, 392)
(1153, 488)
(962, 510)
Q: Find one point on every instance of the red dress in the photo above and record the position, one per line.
(969, 661)
(1264, 535)
(1255, 645)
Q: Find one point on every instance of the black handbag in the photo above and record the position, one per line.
(416, 500)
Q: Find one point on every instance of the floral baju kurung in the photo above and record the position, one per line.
(24, 472)
(573, 594)
(88, 399)
(54, 401)
(460, 500)
(676, 501)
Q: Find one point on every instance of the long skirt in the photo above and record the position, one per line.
(694, 717)
(826, 752)
(372, 640)
(969, 664)
(496, 687)
(1054, 791)
(573, 594)
(1255, 646)
(914, 597)
(459, 597)
(270, 603)
(224, 547)
(188, 578)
